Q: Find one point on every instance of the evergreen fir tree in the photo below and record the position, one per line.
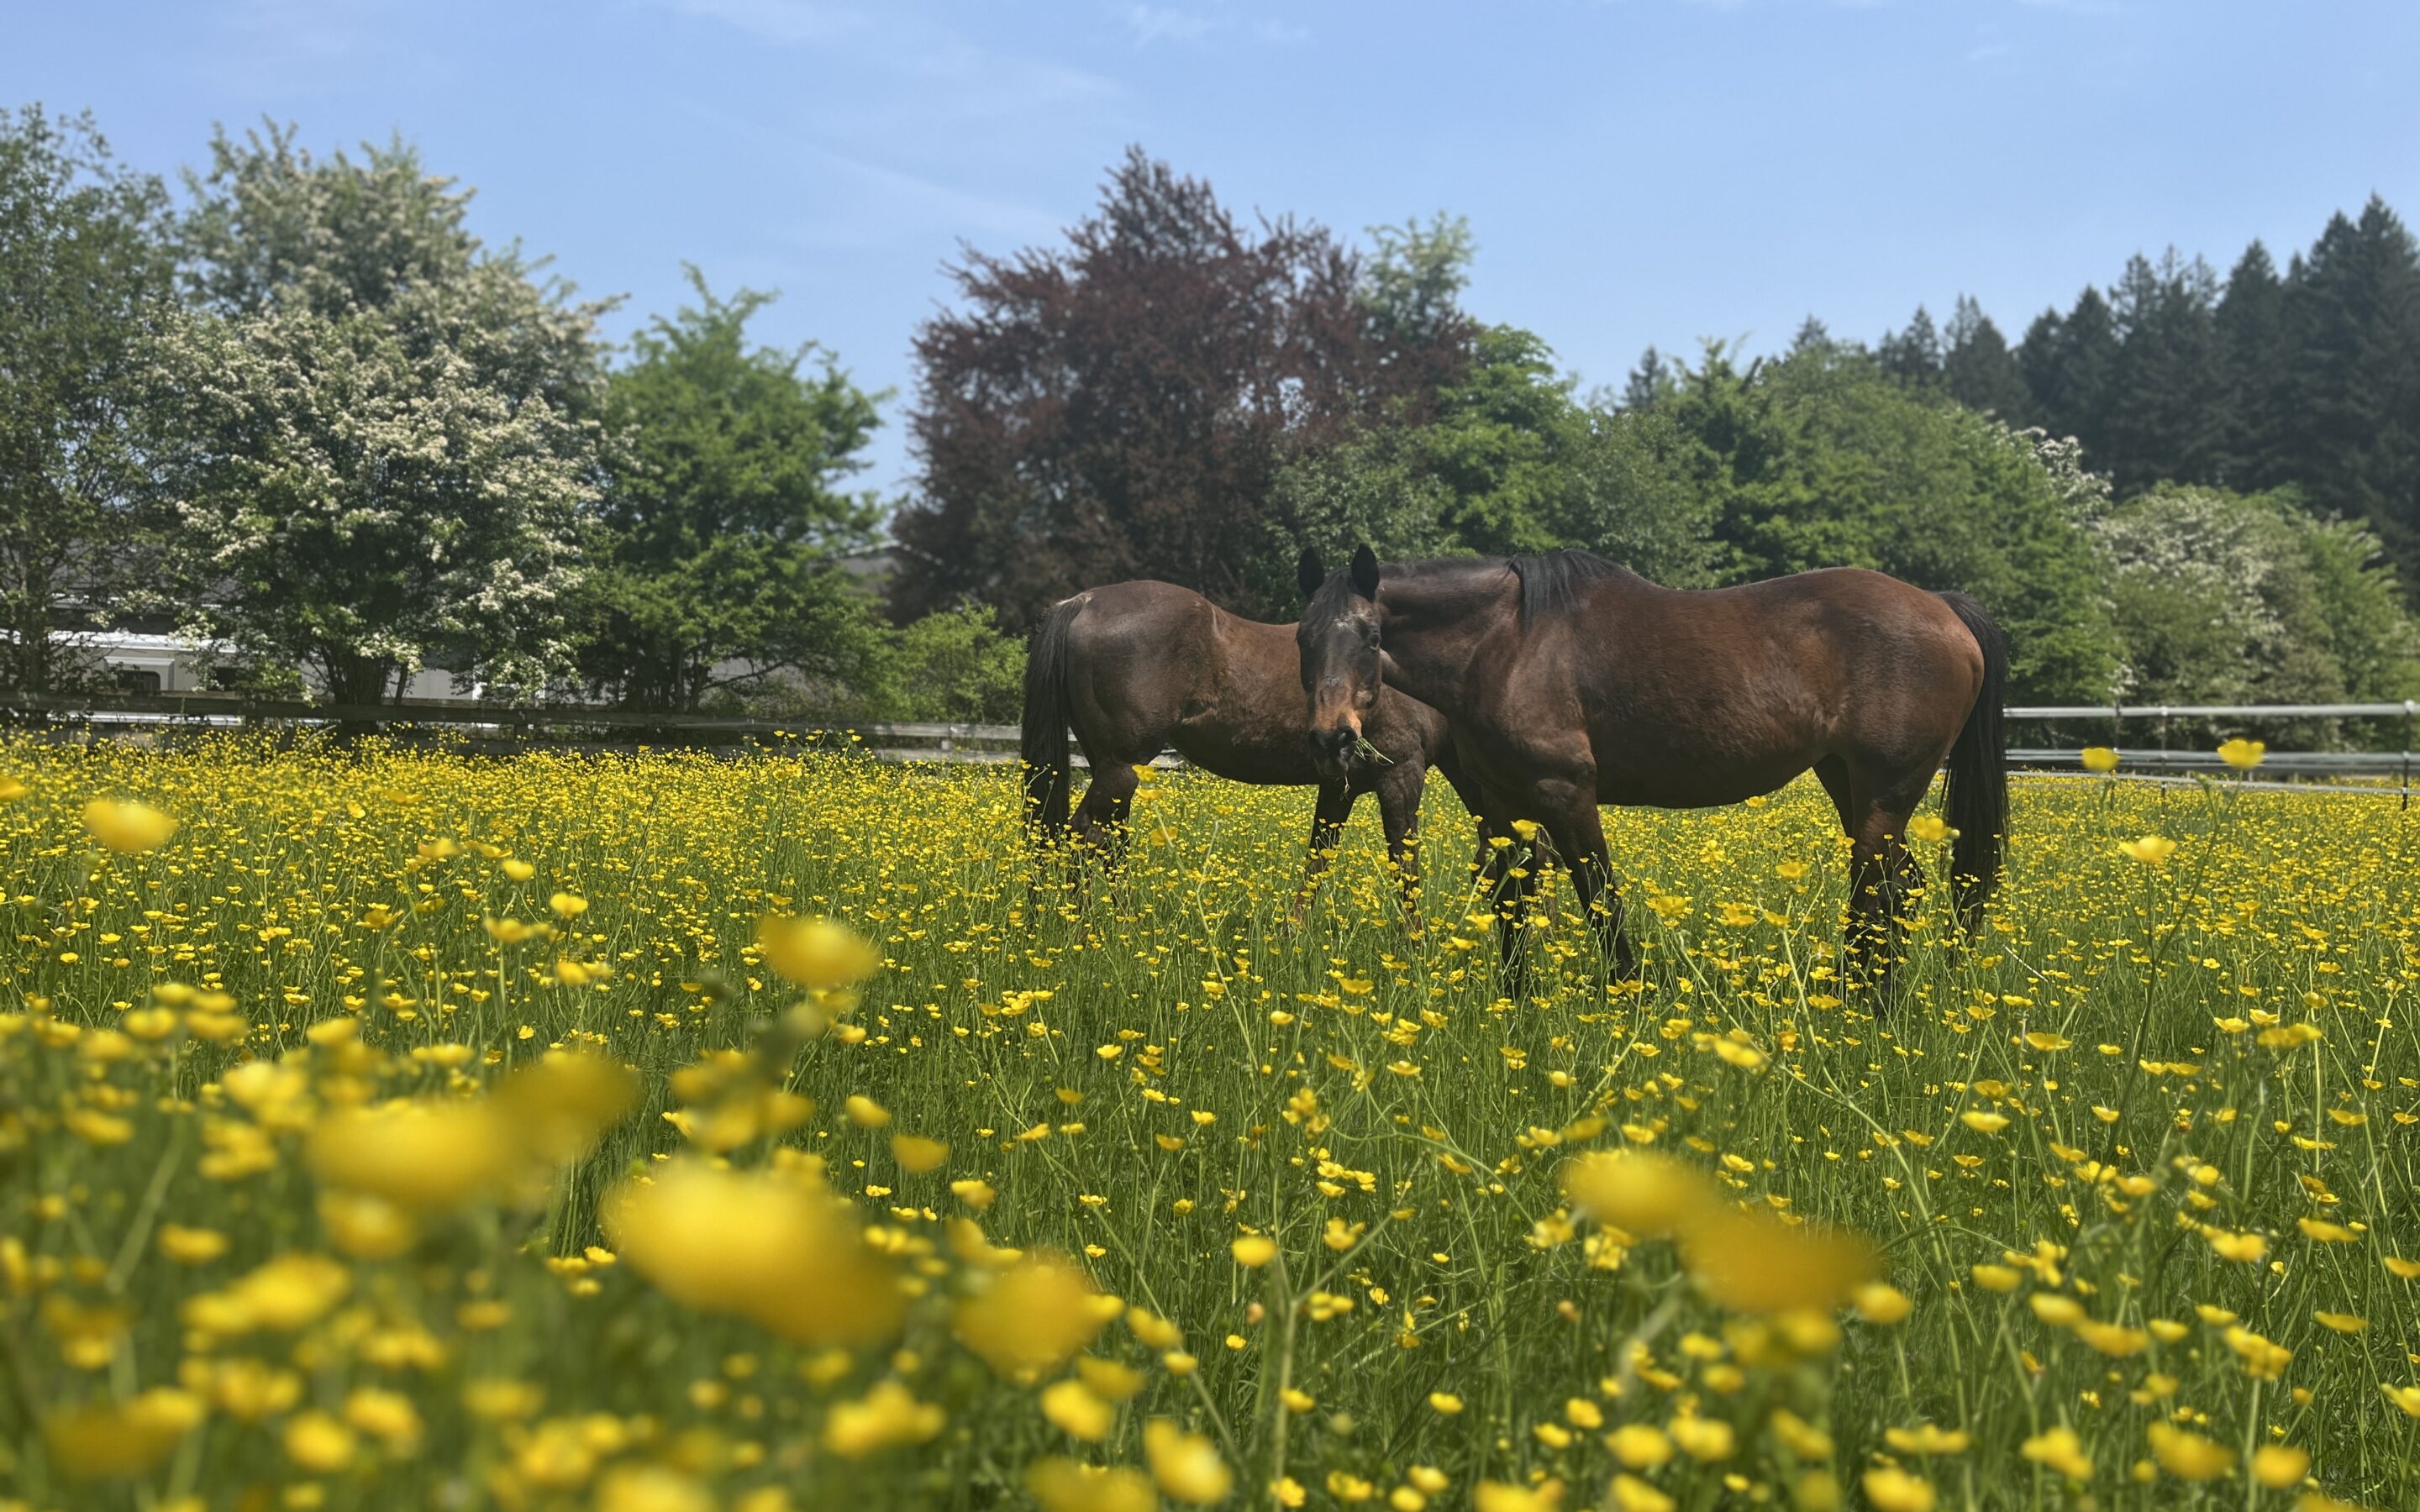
(2165, 408)
(2353, 381)
(1650, 382)
(1913, 356)
(2252, 361)
(2070, 363)
(1813, 336)
(1981, 370)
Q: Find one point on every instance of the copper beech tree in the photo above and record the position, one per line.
(1119, 406)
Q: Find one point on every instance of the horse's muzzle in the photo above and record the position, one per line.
(1331, 750)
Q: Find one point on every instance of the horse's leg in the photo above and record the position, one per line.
(1327, 816)
(1881, 873)
(1569, 811)
(1399, 814)
(1508, 895)
(1100, 821)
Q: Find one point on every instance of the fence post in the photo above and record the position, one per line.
(2409, 706)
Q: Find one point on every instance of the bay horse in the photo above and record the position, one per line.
(1136, 667)
(1571, 682)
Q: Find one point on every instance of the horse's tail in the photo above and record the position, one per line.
(1045, 734)
(1978, 796)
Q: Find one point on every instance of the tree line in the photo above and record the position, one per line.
(2172, 493)
(300, 411)
(304, 416)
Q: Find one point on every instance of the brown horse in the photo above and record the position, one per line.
(1571, 682)
(1136, 668)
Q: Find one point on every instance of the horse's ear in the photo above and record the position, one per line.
(1309, 572)
(1365, 572)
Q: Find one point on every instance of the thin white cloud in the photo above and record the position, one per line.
(1165, 24)
(787, 22)
(888, 203)
(858, 204)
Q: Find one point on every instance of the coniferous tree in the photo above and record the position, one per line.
(2251, 331)
(2352, 379)
(1813, 336)
(1649, 382)
(1913, 356)
(2070, 362)
(1980, 371)
(2165, 407)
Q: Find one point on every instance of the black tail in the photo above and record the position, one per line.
(1044, 742)
(1977, 797)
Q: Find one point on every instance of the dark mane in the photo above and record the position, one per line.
(1551, 582)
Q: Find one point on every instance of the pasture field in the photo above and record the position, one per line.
(405, 1131)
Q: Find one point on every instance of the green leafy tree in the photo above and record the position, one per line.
(378, 433)
(2231, 598)
(954, 665)
(84, 279)
(1508, 460)
(1823, 459)
(716, 554)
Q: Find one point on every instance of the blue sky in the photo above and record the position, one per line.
(1634, 171)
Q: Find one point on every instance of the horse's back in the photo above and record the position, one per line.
(1700, 697)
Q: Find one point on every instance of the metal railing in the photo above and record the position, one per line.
(502, 727)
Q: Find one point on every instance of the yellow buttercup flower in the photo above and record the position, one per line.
(1891, 1490)
(2280, 1466)
(2098, 759)
(1072, 1407)
(1061, 1485)
(817, 952)
(2188, 1456)
(887, 1417)
(1185, 1465)
(2243, 755)
(127, 827)
(1031, 1317)
(2062, 1450)
(2151, 850)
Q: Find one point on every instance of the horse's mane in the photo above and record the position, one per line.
(1551, 582)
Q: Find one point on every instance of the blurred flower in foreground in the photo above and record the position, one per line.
(774, 1246)
(1745, 1261)
(1646, 1195)
(1061, 1485)
(106, 1440)
(1032, 1317)
(2098, 759)
(817, 952)
(1187, 1465)
(126, 827)
(2243, 755)
(887, 1417)
(2151, 850)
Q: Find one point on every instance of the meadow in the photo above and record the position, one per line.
(658, 1133)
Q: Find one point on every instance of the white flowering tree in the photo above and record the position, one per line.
(379, 435)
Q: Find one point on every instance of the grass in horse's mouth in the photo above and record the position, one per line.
(1363, 750)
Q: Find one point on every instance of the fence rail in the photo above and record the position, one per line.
(494, 726)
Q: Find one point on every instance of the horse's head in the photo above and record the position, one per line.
(1338, 639)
